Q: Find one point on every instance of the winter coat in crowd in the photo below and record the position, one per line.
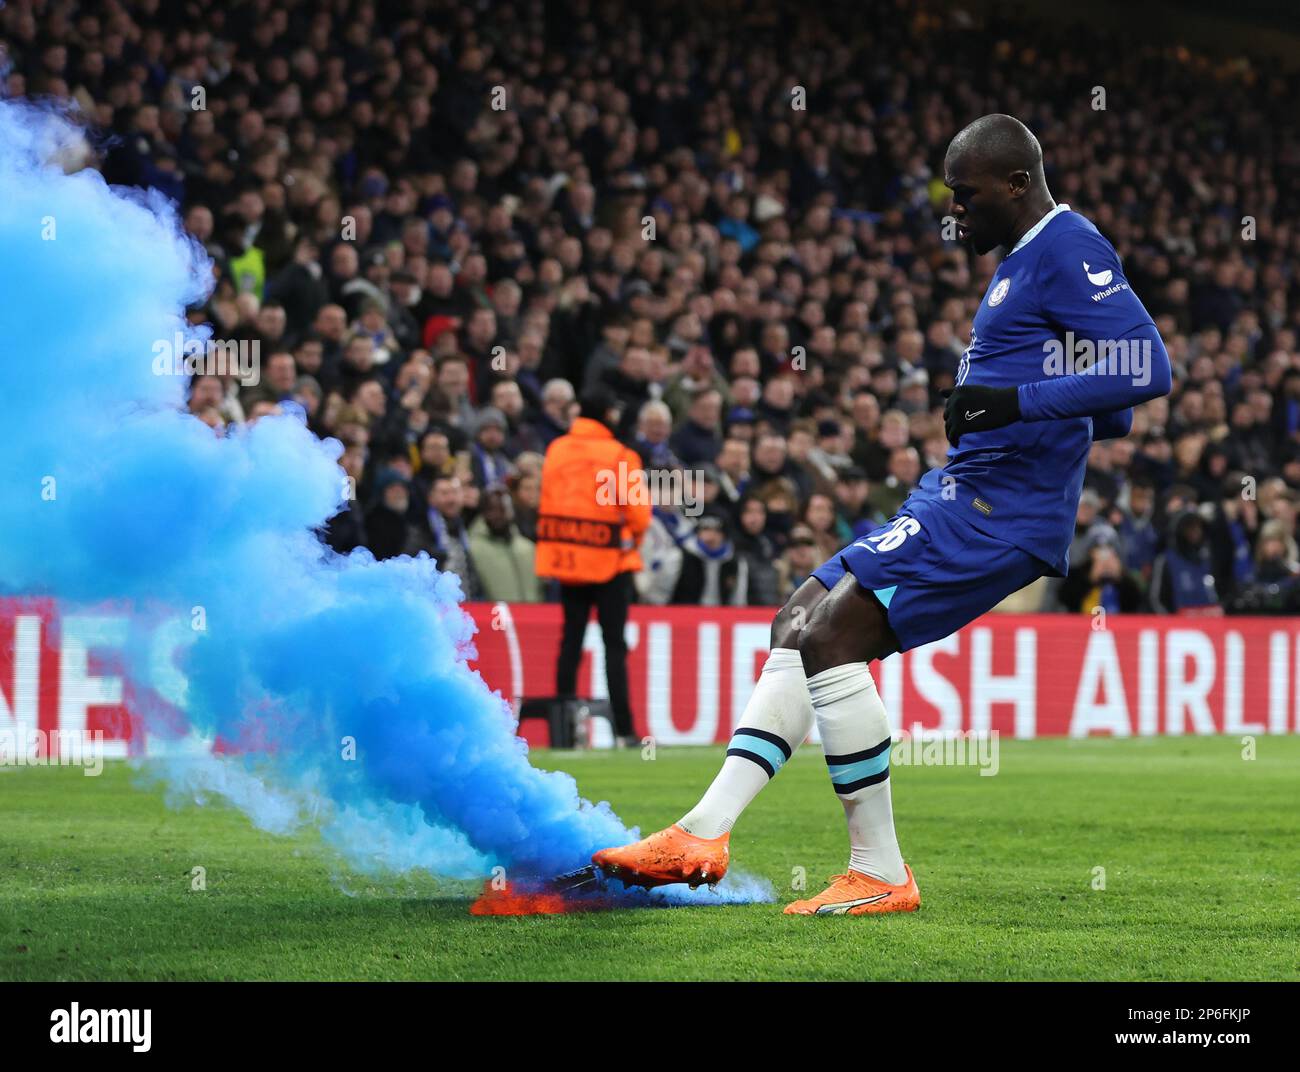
(661, 557)
(1183, 577)
(504, 564)
(758, 581)
(709, 576)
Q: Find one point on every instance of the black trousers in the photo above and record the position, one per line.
(611, 599)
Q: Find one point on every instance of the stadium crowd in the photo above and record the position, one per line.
(442, 223)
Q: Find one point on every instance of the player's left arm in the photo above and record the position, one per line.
(1132, 362)
(1082, 289)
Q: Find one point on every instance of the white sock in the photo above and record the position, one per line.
(776, 722)
(856, 739)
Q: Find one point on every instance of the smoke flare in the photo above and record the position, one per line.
(302, 648)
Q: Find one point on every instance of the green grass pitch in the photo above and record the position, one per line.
(1200, 850)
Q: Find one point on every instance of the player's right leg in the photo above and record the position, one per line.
(914, 580)
(848, 630)
(776, 720)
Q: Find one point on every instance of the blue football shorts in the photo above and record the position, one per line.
(932, 571)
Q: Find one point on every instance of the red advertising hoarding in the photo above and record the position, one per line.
(692, 669)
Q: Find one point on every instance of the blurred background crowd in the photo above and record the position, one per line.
(443, 222)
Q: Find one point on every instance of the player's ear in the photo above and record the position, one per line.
(1018, 184)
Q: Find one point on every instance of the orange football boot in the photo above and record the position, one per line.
(671, 855)
(856, 894)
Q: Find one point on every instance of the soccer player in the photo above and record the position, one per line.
(1020, 422)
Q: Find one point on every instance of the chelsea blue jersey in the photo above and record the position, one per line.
(1060, 288)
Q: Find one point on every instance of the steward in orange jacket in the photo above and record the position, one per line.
(595, 507)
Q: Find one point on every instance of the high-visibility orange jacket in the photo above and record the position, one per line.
(594, 507)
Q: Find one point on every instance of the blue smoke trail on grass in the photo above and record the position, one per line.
(302, 648)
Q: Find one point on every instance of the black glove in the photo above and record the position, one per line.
(978, 409)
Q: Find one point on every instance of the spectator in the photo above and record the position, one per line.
(710, 566)
(502, 557)
(557, 411)
(346, 530)
(525, 494)
(608, 354)
(1139, 539)
(830, 456)
(1233, 534)
(733, 467)
(1101, 581)
(444, 534)
(653, 428)
(818, 514)
(629, 384)
(1276, 557)
(388, 532)
(873, 454)
(771, 462)
(854, 516)
(488, 460)
(1183, 578)
(373, 323)
(698, 372)
(508, 399)
(698, 438)
(1090, 526)
(449, 401)
(801, 446)
(661, 552)
(901, 477)
(758, 584)
(797, 562)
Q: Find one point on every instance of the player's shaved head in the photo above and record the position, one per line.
(994, 168)
(998, 145)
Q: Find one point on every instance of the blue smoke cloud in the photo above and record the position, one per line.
(303, 649)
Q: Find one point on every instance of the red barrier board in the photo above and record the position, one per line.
(1044, 675)
(692, 670)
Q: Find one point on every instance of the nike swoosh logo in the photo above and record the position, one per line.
(839, 908)
(971, 416)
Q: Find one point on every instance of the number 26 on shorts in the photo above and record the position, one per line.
(902, 528)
